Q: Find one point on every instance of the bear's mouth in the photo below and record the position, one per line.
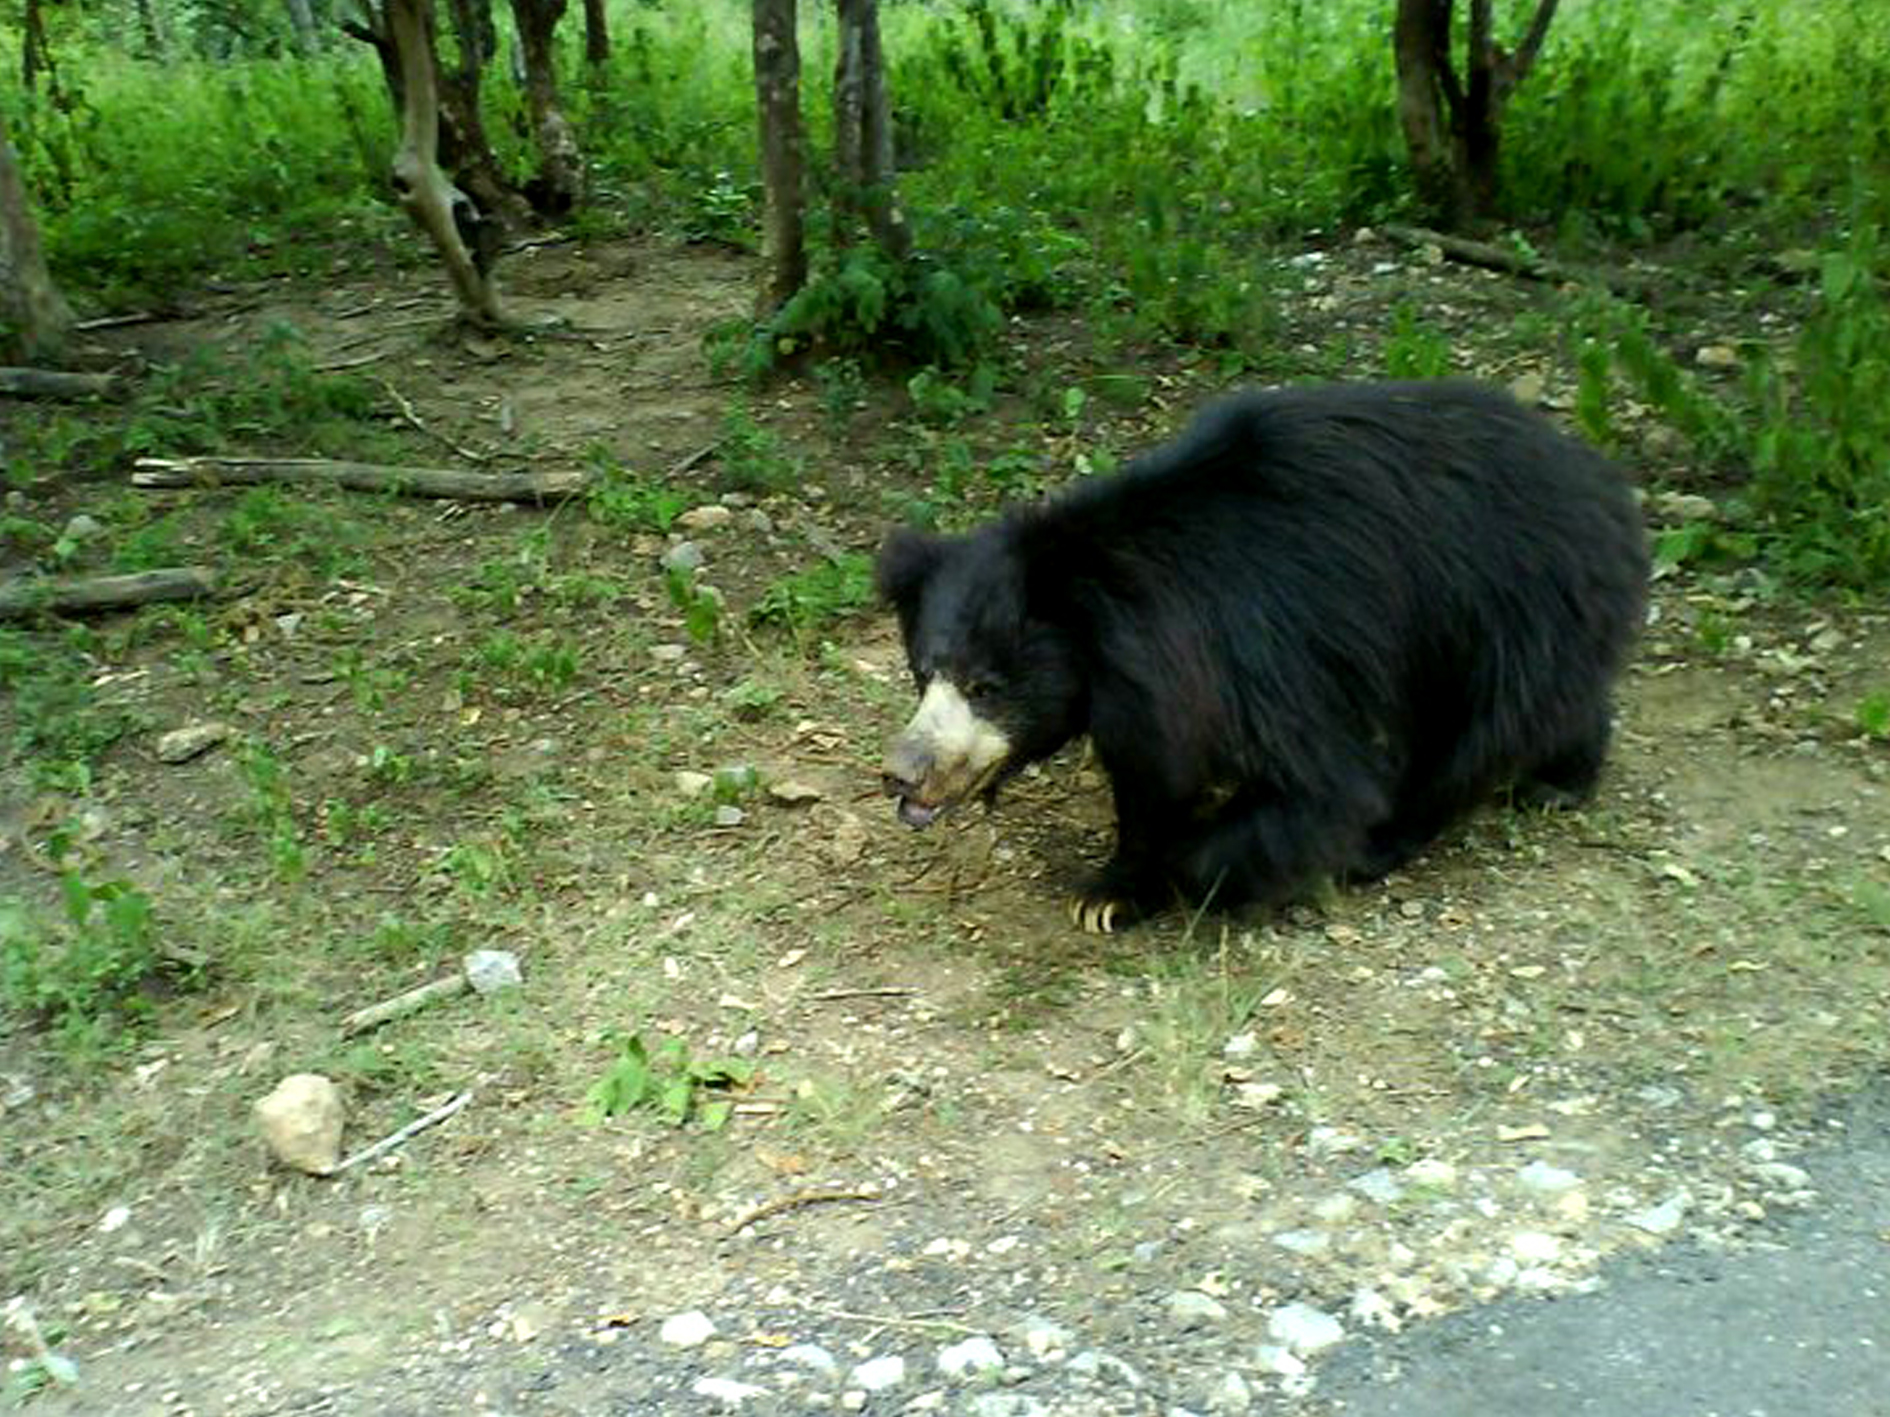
(918, 815)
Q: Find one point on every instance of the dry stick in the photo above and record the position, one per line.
(57, 383)
(407, 412)
(412, 1129)
(76, 596)
(896, 1320)
(112, 322)
(456, 483)
(1481, 253)
(411, 1002)
(796, 1201)
(831, 994)
(700, 455)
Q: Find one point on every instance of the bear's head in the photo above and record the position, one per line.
(1000, 681)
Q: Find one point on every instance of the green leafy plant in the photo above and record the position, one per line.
(621, 499)
(83, 975)
(1415, 350)
(701, 605)
(829, 590)
(668, 1082)
(1873, 714)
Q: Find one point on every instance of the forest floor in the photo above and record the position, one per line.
(1127, 1161)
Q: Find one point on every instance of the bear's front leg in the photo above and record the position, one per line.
(1136, 881)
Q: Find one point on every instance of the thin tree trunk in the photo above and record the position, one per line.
(596, 34)
(33, 314)
(302, 23)
(1453, 127)
(465, 151)
(559, 183)
(437, 207)
(863, 139)
(777, 59)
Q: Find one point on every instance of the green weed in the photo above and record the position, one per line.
(806, 600)
(622, 500)
(84, 974)
(678, 1088)
(1415, 350)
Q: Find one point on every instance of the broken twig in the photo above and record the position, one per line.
(411, 1002)
(362, 477)
(405, 1134)
(799, 1200)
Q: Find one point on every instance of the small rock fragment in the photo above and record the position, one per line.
(792, 793)
(1190, 1309)
(1304, 1329)
(976, 1355)
(690, 1329)
(1544, 1179)
(706, 518)
(684, 557)
(180, 745)
(489, 971)
(812, 1357)
(1231, 1394)
(692, 784)
(878, 1374)
(726, 1391)
(301, 1121)
(1662, 1219)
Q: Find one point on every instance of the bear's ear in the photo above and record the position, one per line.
(906, 562)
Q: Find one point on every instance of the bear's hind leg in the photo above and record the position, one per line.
(1566, 777)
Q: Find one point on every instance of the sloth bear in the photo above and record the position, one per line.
(1302, 637)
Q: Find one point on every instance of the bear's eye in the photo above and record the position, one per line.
(979, 686)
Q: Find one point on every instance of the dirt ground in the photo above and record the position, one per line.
(941, 1064)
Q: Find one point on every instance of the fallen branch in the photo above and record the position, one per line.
(411, 1002)
(362, 477)
(829, 995)
(1481, 253)
(796, 1201)
(58, 384)
(79, 595)
(405, 1134)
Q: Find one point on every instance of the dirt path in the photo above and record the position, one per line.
(1123, 1161)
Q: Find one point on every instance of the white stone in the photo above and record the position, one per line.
(1303, 1242)
(977, 1354)
(1438, 1175)
(812, 1357)
(1231, 1395)
(1303, 1328)
(1535, 1247)
(1379, 1186)
(1541, 1177)
(878, 1374)
(1281, 1362)
(687, 1330)
(1662, 1219)
(726, 1390)
(489, 971)
(1044, 1339)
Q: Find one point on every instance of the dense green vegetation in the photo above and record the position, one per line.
(1136, 162)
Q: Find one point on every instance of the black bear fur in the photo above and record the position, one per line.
(1302, 637)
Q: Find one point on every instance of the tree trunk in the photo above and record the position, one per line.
(863, 139)
(783, 152)
(465, 151)
(35, 57)
(33, 314)
(302, 23)
(596, 34)
(439, 208)
(560, 180)
(1452, 126)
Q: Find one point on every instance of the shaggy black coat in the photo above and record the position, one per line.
(1302, 637)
